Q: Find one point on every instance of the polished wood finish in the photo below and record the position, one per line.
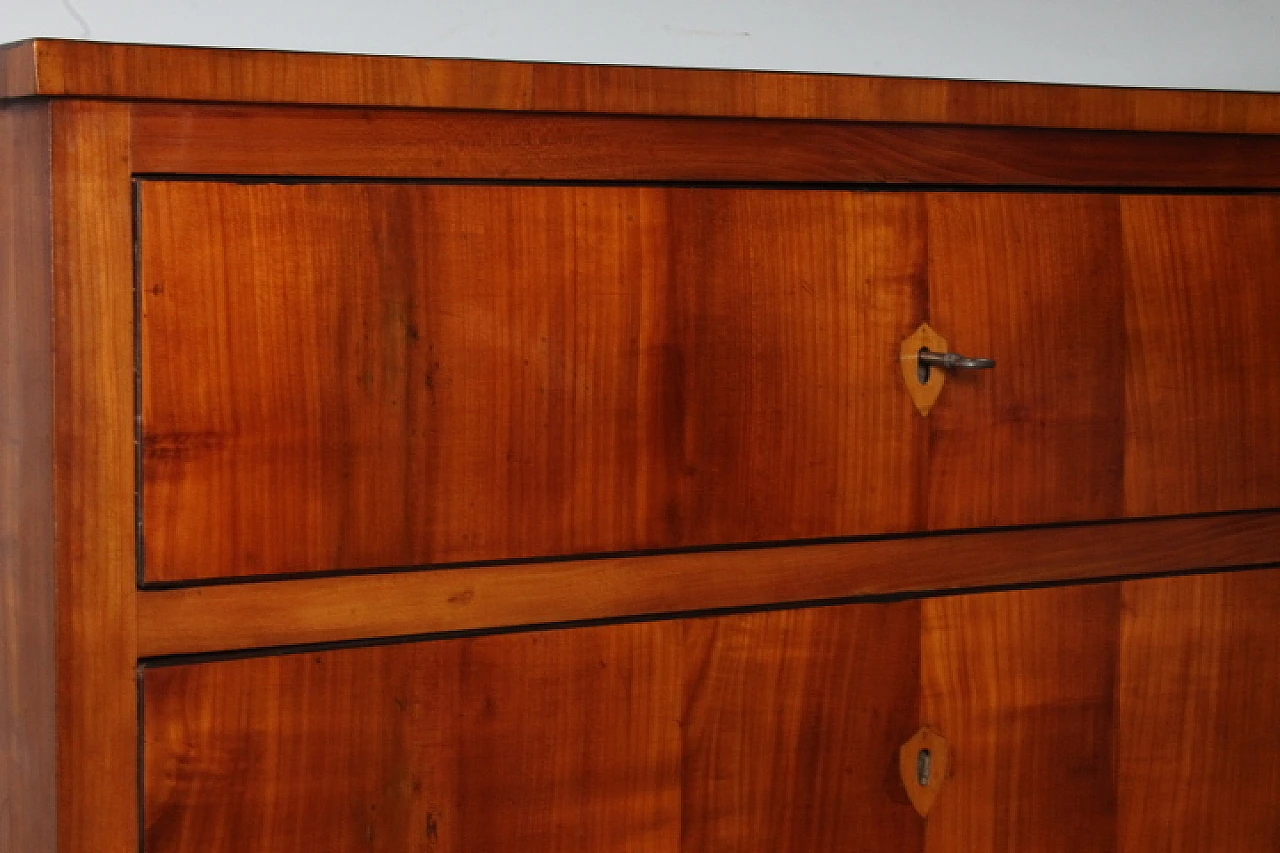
(1022, 685)
(648, 338)
(478, 373)
(1187, 426)
(69, 711)
(1198, 707)
(1120, 717)
(18, 69)
(607, 369)
(1032, 281)
(176, 139)
(28, 607)
(647, 737)
(1202, 301)
(95, 467)
(791, 722)
(322, 610)
(137, 72)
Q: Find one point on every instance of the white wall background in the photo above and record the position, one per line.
(1229, 44)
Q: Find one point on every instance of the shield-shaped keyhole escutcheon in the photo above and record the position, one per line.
(924, 762)
(923, 384)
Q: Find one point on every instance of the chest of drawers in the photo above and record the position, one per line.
(438, 455)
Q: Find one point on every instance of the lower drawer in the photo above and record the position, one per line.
(1122, 716)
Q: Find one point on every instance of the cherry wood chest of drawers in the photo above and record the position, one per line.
(442, 455)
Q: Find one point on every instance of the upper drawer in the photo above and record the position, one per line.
(359, 375)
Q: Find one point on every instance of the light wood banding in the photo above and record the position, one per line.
(95, 486)
(322, 610)
(84, 69)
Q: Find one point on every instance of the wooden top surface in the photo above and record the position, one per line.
(60, 68)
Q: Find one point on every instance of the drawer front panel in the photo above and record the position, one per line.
(358, 376)
(766, 732)
(1115, 717)
(1121, 716)
(375, 375)
(1035, 282)
(1202, 401)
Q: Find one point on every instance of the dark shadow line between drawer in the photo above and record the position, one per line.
(196, 583)
(160, 661)
(833, 186)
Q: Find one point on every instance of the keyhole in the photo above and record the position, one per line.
(924, 767)
(922, 369)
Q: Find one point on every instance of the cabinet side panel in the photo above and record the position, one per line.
(95, 482)
(1199, 699)
(27, 746)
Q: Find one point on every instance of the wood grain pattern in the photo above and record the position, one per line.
(18, 69)
(605, 369)
(1130, 717)
(1202, 305)
(780, 419)
(95, 487)
(1198, 708)
(1127, 717)
(378, 375)
(28, 620)
(178, 139)
(490, 372)
(1021, 683)
(614, 738)
(1033, 281)
(176, 73)
(568, 742)
(320, 610)
(790, 728)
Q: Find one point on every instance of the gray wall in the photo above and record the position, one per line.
(1232, 44)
